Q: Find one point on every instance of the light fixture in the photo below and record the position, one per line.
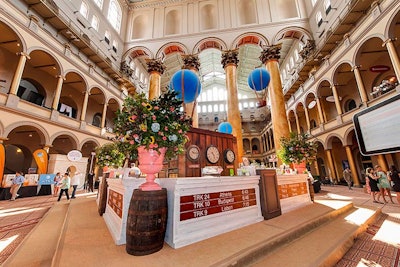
(312, 104)
(331, 98)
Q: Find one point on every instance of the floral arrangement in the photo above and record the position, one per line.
(156, 123)
(109, 155)
(296, 149)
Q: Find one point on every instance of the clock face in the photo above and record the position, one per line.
(212, 154)
(193, 152)
(229, 156)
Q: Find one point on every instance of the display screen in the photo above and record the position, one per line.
(378, 128)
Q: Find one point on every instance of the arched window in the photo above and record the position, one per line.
(115, 46)
(221, 107)
(328, 7)
(97, 120)
(216, 119)
(107, 37)
(115, 15)
(318, 18)
(215, 108)
(84, 10)
(99, 3)
(30, 92)
(209, 108)
(313, 124)
(95, 23)
(349, 105)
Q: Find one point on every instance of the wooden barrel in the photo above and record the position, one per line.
(102, 195)
(146, 222)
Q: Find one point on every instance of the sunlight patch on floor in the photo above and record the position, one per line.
(334, 204)
(20, 212)
(7, 241)
(368, 263)
(360, 216)
(389, 233)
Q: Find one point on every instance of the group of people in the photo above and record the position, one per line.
(62, 184)
(379, 183)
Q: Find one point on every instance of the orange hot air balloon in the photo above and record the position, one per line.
(40, 156)
(2, 162)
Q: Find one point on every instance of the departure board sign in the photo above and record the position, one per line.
(115, 201)
(199, 205)
(378, 127)
(292, 190)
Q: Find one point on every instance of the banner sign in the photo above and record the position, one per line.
(46, 179)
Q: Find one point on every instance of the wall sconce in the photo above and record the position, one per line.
(332, 99)
(312, 104)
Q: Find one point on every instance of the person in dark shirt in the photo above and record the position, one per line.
(394, 177)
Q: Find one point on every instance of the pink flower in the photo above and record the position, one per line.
(131, 142)
(156, 107)
(171, 108)
(153, 146)
(180, 131)
(154, 117)
(164, 138)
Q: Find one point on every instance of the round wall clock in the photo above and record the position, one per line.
(212, 154)
(193, 152)
(229, 156)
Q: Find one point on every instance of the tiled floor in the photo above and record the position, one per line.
(378, 246)
(18, 218)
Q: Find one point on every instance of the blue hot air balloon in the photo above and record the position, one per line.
(258, 79)
(186, 83)
(225, 127)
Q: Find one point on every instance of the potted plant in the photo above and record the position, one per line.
(109, 155)
(149, 129)
(297, 150)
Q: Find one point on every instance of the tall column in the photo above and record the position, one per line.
(296, 117)
(57, 95)
(360, 85)
(18, 73)
(155, 68)
(103, 116)
(84, 106)
(192, 62)
(331, 166)
(307, 119)
(382, 162)
(337, 101)
(394, 57)
(270, 56)
(321, 116)
(353, 168)
(229, 62)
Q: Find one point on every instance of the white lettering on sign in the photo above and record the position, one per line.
(225, 201)
(225, 194)
(227, 208)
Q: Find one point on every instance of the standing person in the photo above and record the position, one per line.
(16, 184)
(75, 183)
(90, 181)
(373, 185)
(347, 177)
(65, 184)
(383, 183)
(395, 179)
(57, 182)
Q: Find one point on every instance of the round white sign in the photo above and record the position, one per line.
(74, 155)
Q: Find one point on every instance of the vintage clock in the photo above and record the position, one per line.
(212, 154)
(229, 156)
(193, 152)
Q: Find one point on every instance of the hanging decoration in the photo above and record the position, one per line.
(186, 84)
(258, 81)
(225, 127)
